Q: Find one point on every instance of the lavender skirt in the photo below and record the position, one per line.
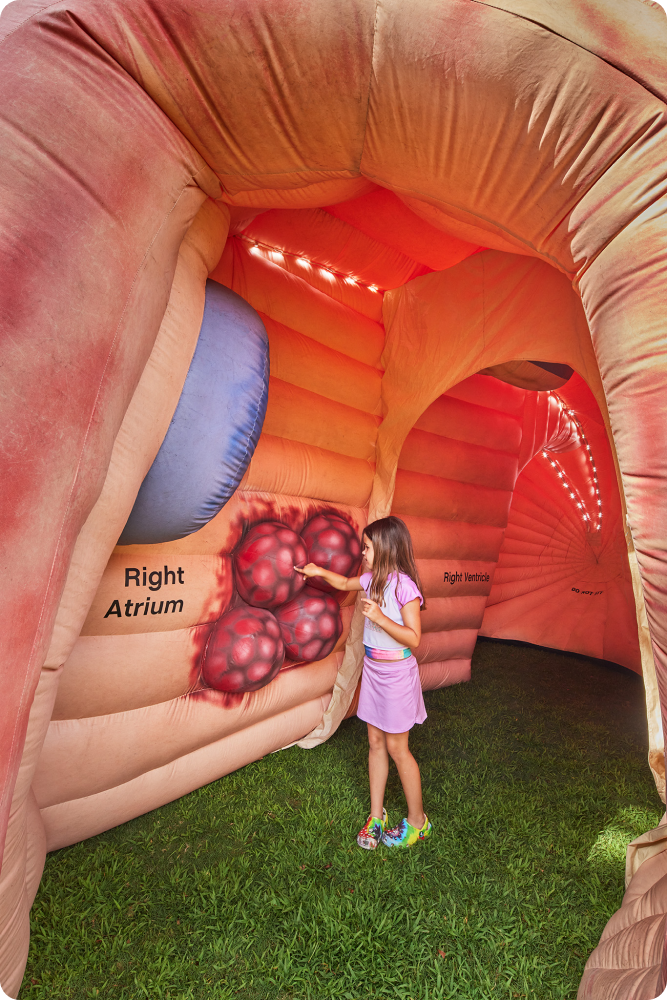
(391, 695)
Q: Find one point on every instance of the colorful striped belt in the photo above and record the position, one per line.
(388, 655)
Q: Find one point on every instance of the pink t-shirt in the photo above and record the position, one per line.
(395, 597)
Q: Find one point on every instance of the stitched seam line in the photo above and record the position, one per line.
(34, 14)
(557, 34)
(370, 85)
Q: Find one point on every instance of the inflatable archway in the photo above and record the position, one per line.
(270, 271)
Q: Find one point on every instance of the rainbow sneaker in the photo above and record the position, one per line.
(372, 831)
(405, 835)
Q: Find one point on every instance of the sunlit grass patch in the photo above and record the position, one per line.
(535, 778)
(608, 849)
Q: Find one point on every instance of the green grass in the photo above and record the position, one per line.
(535, 778)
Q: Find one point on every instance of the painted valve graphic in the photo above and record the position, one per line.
(247, 645)
(310, 625)
(244, 652)
(332, 543)
(264, 565)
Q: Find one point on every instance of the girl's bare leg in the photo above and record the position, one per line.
(378, 768)
(408, 771)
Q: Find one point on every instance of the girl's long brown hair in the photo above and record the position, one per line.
(392, 553)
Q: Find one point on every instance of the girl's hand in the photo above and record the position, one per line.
(310, 569)
(371, 610)
(335, 580)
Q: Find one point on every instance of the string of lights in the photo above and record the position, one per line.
(276, 255)
(592, 520)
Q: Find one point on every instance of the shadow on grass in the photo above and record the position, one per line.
(535, 778)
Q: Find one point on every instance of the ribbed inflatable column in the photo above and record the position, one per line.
(626, 309)
(145, 424)
(101, 197)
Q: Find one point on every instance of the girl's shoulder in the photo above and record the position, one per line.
(407, 589)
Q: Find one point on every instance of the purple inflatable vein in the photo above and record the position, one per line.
(215, 428)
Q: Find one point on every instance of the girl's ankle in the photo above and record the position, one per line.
(417, 826)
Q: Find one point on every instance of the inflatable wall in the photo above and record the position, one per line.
(270, 272)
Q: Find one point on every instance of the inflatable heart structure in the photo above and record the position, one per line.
(247, 645)
(240, 278)
(331, 543)
(244, 651)
(310, 625)
(264, 565)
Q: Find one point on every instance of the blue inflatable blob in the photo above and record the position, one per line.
(215, 428)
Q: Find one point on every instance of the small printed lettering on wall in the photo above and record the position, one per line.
(154, 581)
(457, 577)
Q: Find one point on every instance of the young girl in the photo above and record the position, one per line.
(390, 700)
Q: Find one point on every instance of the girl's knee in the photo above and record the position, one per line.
(376, 741)
(398, 750)
(401, 757)
(397, 741)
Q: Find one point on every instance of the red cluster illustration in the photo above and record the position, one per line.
(264, 565)
(248, 644)
(310, 625)
(244, 652)
(332, 543)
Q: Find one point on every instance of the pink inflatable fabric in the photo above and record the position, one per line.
(420, 200)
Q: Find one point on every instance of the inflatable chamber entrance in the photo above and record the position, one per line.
(262, 285)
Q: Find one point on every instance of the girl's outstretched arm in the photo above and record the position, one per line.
(335, 579)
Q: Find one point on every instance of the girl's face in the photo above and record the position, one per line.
(367, 551)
